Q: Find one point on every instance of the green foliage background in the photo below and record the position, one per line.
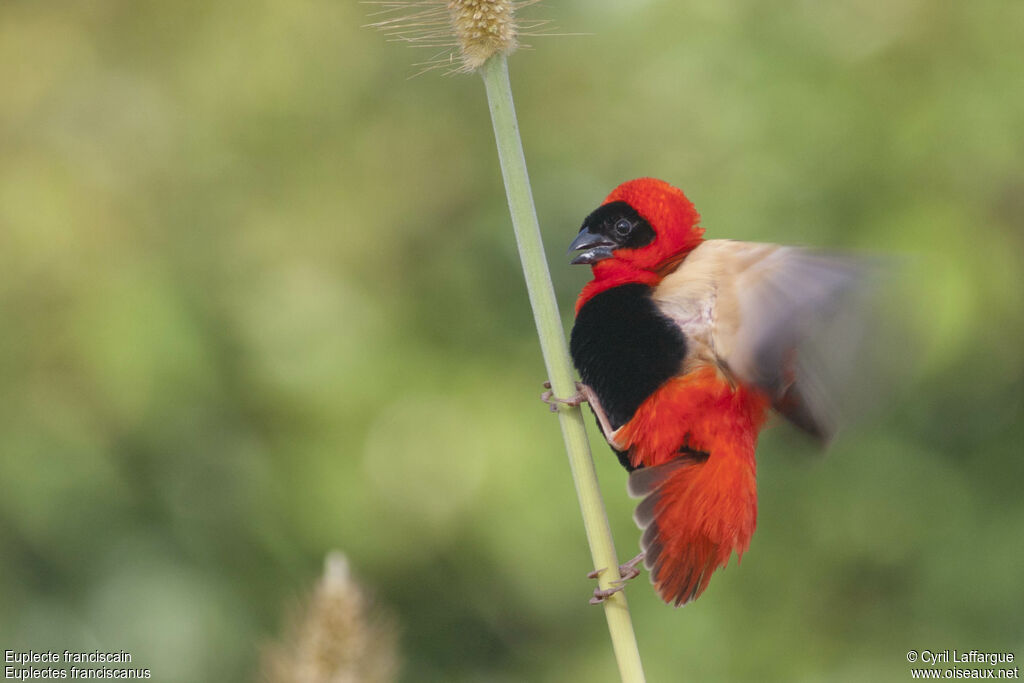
(259, 298)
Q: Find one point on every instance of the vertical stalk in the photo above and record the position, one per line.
(556, 358)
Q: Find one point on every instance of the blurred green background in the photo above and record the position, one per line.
(260, 298)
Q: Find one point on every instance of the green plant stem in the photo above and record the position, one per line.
(556, 358)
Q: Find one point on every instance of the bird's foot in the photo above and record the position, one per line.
(574, 401)
(585, 394)
(627, 572)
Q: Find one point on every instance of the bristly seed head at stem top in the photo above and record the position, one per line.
(483, 28)
(469, 31)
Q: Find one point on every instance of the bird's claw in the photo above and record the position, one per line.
(627, 572)
(602, 594)
(574, 401)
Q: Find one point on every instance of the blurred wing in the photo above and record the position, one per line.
(770, 316)
(787, 303)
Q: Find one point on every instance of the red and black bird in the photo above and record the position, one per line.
(684, 346)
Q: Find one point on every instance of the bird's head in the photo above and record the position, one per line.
(641, 231)
(643, 223)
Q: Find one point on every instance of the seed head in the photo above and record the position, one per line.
(337, 637)
(468, 32)
(483, 28)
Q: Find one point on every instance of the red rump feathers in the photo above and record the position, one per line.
(696, 436)
(693, 521)
(669, 212)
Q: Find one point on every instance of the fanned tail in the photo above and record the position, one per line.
(696, 510)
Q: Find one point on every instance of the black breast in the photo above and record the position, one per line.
(624, 349)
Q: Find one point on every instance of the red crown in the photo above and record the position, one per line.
(671, 215)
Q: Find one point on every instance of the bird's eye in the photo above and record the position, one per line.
(622, 227)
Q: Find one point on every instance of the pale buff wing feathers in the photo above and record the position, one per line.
(756, 311)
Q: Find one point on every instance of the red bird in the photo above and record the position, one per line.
(684, 345)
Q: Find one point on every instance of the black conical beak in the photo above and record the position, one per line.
(596, 247)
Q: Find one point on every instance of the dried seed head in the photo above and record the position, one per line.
(336, 638)
(468, 32)
(483, 28)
